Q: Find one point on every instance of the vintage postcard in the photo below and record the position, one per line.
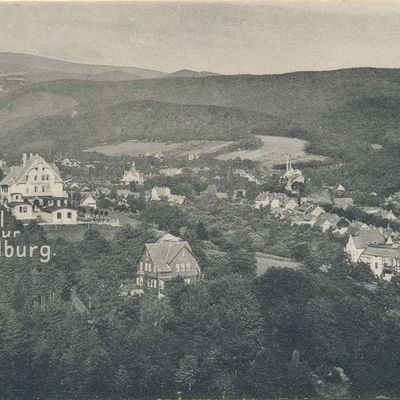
(199, 199)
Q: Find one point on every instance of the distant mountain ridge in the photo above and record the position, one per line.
(187, 73)
(37, 69)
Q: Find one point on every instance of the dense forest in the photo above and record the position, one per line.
(324, 328)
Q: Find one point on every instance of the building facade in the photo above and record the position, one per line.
(164, 260)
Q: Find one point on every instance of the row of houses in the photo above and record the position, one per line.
(300, 212)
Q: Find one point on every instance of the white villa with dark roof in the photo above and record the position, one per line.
(28, 189)
(33, 179)
(164, 260)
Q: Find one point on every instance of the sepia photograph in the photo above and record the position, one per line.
(199, 199)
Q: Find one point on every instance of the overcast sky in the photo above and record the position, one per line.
(239, 37)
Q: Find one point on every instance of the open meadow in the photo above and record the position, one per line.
(180, 149)
(267, 261)
(275, 150)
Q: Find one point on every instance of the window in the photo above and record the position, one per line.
(141, 266)
(69, 214)
(188, 267)
(43, 177)
(25, 209)
(36, 178)
(36, 189)
(59, 215)
(20, 209)
(43, 188)
(178, 267)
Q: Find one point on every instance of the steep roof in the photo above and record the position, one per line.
(17, 173)
(367, 237)
(325, 217)
(169, 238)
(163, 252)
(89, 200)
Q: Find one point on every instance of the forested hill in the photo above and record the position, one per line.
(340, 112)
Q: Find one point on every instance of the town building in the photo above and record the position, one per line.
(262, 200)
(383, 260)
(343, 202)
(164, 193)
(32, 187)
(164, 260)
(34, 179)
(379, 212)
(89, 202)
(170, 171)
(59, 216)
(293, 177)
(193, 156)
(132, 176)
(361, 240)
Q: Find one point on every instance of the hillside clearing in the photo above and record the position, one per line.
(137, 147)
(267, 261)
(275, 150)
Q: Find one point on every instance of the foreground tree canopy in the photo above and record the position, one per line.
(324, 329)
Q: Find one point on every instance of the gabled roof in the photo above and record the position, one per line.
(382, 251)
(17, 173)
(164, 251)
(89, 199)
(169, 238)
(367, 237)
(325, 217)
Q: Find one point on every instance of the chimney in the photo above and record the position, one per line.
(24, 159)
